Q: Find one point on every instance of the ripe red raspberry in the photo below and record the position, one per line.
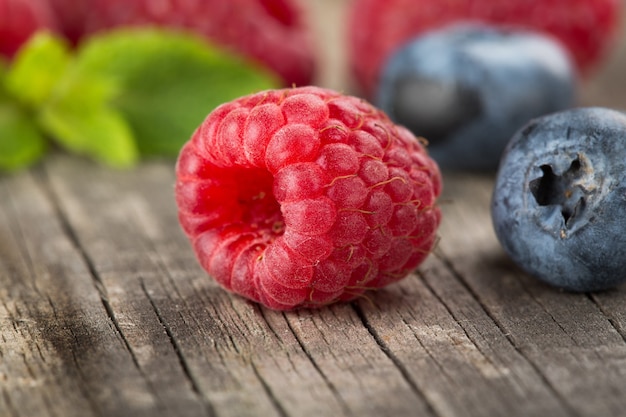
(304, 197)
(378, 27)
(272, 32)
(19, 19)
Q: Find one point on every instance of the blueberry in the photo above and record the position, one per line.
(559, 200)
(467, 88)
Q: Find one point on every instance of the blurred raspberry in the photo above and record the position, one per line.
(271, 32)
(19, 19)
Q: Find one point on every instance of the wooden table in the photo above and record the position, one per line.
(104, 311)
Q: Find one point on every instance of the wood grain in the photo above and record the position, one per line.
(105, 312)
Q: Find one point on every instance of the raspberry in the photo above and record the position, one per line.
(19, 19)
(303, 197)
(271, 32)
(378, 27)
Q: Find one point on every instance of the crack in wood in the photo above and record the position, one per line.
(406, 375)
(507, 334)
(83, 380)
(268, 391)
(471, 336)
(64, 223)
(459, 319)
(195, 386)
(610, 317)
(345, 408)
(96, 279)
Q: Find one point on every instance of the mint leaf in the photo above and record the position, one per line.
(79, 118)
(37, 68)
(21, 143)
(71, 107)
(121, 93)
(43, 90)
(99, 132)
(167, 82)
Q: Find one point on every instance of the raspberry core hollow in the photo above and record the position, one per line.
(303, 197)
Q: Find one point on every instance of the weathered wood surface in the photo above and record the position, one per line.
(105, 312)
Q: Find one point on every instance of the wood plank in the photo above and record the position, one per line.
(104, 310)
(452, 349)
(58, 341)
(612, 305)
(134, 213)
(145, 266)
(368, 381)
(116, 316)
(567, 337)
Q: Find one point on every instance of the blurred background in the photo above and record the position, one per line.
(606, 87)
(257, 29)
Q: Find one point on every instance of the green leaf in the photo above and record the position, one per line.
(3, 70)
(78, 116)
(167, 82)
(125, 91)
(21, 143)
(37, 68)
(99, 132)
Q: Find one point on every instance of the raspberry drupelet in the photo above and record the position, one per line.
(303, 197)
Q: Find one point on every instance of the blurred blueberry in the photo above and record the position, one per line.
(467, 88)
(559, 202)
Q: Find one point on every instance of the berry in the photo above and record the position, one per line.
(468, 88)
(302, 197)
(558, 203)
(19, 19)
(272, 32)
(378, 27)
